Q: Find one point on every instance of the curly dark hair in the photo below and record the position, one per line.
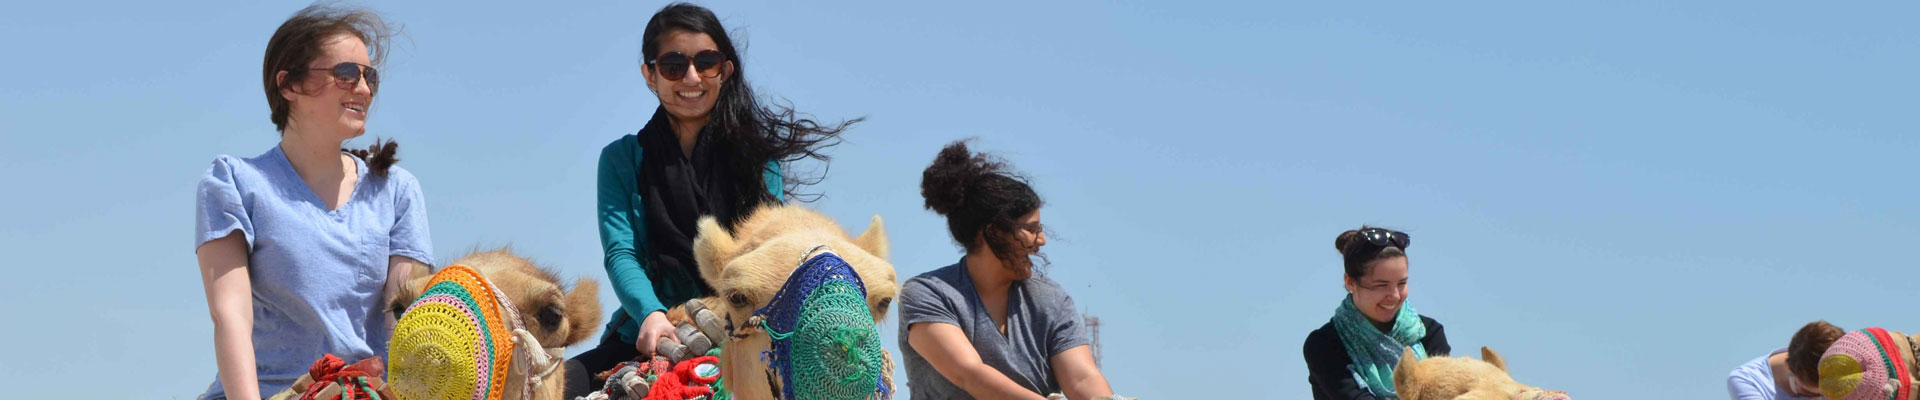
(980, 197)
(1355, 254)
(756, 133)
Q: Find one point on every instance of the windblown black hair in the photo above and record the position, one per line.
(754, 133)
(979, 196)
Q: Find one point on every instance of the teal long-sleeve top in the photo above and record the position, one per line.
(623, 233)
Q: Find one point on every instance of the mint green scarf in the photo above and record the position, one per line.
(1374, 353)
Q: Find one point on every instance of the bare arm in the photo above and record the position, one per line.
(946, 347)
(400, 269)
(223, 270)
(1079, 378)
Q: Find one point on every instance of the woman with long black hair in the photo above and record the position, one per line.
(712, 148)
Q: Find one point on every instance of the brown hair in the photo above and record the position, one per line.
(1804, 351)
(1356, 254)
(298, 42)
(980, 195)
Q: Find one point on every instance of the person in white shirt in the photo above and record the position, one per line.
(1788, 373)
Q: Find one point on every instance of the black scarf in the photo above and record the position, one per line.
(678, 190)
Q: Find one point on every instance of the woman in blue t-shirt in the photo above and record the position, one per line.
(295, 245)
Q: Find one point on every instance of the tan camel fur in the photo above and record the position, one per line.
(556, 315)
(749, 265)
(1461, 378)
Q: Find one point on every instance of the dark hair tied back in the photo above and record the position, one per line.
(978, 195)
(379, 156)
(1356, 252)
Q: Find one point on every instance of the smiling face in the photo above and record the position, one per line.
(1380, 293)
(691, 98)
(317, 103)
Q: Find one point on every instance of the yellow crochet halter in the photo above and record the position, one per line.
(455, 341)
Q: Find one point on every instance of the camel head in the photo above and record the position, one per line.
(790, 282)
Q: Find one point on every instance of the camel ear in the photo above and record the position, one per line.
(1487, 354)
(874, 240)
(583, 310)
(712, 242)
(1403, 371)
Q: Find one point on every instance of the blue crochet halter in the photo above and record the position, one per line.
(825, 345)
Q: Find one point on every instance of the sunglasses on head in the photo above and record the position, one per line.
(346, 75)
(673, 65)
(1382, 237)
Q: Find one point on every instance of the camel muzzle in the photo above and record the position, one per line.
(824, 342)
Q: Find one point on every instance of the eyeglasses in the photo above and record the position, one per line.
(347, 75)
(1384, 237)
(1033, 228)
(673, 65)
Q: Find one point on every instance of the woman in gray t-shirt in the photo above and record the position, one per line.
(986, 326)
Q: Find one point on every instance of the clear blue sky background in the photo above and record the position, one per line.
(1627, 199)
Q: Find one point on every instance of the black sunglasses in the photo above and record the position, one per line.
(1382, 237)
(346, 75)
(673, 65)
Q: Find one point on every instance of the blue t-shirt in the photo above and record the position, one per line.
(1754, 381)
(318, 275)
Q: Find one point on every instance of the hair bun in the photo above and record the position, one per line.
(944, 184)
(1340, 242)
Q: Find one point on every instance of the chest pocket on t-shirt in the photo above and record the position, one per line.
(373, 230)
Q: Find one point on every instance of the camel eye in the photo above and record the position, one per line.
(884, 304)
(549, 318)
(739, 300)
(397, 309)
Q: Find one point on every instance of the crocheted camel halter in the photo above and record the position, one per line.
(825, 345)
(458, 339)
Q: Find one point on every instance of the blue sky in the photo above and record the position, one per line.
(1626, 199)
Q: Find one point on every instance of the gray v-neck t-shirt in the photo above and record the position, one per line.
(1041, 322)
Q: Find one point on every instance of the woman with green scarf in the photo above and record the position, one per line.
(1352, 356)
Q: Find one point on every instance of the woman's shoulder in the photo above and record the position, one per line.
(1326, 334)
(229, 168)
(1046, 289)
(1436, 339)
(398, 177)
(624, 143)
(621, 151)
(1324, 346)
(943, 278)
